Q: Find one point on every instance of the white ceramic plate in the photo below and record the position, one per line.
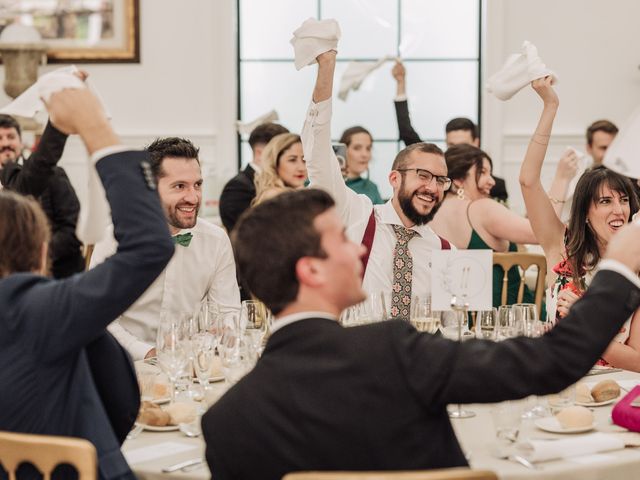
(153, 428)
(551, 424)
(598, 404)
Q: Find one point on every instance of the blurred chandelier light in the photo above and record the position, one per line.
(22, 49)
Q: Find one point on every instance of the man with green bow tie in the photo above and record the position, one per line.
(202, 268)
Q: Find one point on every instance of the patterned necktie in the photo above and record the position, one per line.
(183, 239)
(402, 273)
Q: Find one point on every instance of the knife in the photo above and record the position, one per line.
(179, 466)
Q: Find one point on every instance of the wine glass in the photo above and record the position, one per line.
(486, 324)
(525, 316)
(253, 318)
(422, 317)
(172, 346)
(204, 351)
(505, 325)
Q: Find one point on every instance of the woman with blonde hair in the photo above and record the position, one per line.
(283, 167)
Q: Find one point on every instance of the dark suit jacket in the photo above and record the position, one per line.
(374, 397)
(40, 177)
(60, 372)
(236, 197)
(409, 136)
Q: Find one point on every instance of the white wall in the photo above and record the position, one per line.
(593, 46)
(184, 86)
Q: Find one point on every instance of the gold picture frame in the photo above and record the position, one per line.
(81, 31)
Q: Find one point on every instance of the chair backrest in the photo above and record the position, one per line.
(45, 452)
(440, 474)
(523, 260)
(88, 251)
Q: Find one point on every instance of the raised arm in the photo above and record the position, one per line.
(405, 130)
(322, 165)
(546, 225)
(502, 223)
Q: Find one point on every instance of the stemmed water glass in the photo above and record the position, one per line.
(204, 351)
(422, 317)
(172, 346)
(253, 320)
(486, 321)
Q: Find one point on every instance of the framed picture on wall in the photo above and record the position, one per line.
(80, 31)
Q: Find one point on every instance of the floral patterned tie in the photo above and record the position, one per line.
(402, 273)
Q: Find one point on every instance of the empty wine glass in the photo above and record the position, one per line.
(253, 319)
(204, 351)
(525, 316)
(506, 328)
(172, 346)
(486, 324)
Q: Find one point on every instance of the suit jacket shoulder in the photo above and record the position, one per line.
(236, 197)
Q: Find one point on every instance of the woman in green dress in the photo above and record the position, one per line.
(359, 142)
(470, 219)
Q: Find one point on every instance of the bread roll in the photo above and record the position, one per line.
(161, 390)
(181, 413)
(605, 390)
(575, 417)
(152, 414)
(583, 393)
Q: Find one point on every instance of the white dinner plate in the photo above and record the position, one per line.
(551, 424)
(154, 428)
(598, 404)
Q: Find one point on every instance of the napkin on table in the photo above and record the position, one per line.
(518, 71)
(544, 450)
(313, 38)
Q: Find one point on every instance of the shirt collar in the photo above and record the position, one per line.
(388, 215)
(296, 317)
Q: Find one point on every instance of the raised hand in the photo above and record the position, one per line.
(398, 71)
(544, 89)
(567, 165)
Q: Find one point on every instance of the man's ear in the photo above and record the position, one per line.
(309, 271)
(394, 179)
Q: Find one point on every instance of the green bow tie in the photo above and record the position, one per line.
(183, 239)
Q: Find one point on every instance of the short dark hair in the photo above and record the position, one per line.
(162, 148)
(402, 158)
(460, 158)
(600, 126)
(271, 237)
(350, 132)
(7, 121)
(23, 229)
(263, 133)
(462, 123)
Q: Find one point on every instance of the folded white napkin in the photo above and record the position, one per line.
(313, 38)
(29, 102)
(518, 71)
(623, 155)
(356, 73)
(245, 128)
(544, 450)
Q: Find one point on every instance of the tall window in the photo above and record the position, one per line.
(438, 41)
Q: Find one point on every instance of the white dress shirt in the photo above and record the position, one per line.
(355, 209)
(205, 270)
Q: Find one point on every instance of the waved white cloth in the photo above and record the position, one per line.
(29, 102)
(518, 71)
(313, 38)
(245, 128)
(356, 73)
(544, 450)
(623, 155)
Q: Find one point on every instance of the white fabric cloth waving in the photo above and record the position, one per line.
(518, 71)
(312, 38)
(623, 155)
(356, 73)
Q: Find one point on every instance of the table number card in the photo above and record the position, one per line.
(465, 274)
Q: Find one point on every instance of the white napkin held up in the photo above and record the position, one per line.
(313, 38)
(356, 73)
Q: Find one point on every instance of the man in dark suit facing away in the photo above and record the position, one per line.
(61, 373)
(374, 397)
(240, 191)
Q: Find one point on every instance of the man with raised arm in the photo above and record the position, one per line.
(61, 373)
(396, 234)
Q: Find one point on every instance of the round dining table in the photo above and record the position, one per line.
(151, 452)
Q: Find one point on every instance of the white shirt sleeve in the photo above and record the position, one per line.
(622, 269)
(136, 347)
(323, 167)
(224, 287)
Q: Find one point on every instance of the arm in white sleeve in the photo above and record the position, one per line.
(224, 287)
(132, 344)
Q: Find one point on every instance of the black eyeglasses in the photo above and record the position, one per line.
(426, 176)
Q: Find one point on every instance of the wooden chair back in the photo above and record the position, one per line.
(524, 261)
(46, 452)
(440, 474)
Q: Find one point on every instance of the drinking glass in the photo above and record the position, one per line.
(525, 316)
(422, 317)
(506, 418)
(486, 324)
(253, 319)
(172, 346)
(377, 307)
(147, 376)
(506, 327)
(204, 351)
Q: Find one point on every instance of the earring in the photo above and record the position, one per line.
(460, 193)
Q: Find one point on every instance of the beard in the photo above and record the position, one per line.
(8, 154)
(405, 200)
(175, 221)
